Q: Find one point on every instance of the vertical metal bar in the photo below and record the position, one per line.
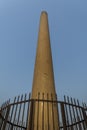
(28, 111)
(24, 109)
(43, 112)
(74, 113)
(1, 120)
(66, 113)
(63, 116)
(85, 106)
(38, 110)
(48, 110)
(33, 114)
(77, 115)
(16, 109)
(70, 112)
(83, 113)
(6, 114)
(4, 109)
(2, 114)
(6, 117)
(85, 117)
(52, 111)
(80, 114)
(11, 127)
(19, 111)
(12, 112)
(58, 125)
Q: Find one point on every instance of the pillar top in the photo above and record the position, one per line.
(44, 12)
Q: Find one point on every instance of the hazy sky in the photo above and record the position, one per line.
(19, 24)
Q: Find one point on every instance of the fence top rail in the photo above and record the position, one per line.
(65, 102)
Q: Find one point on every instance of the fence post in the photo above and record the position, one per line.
(31, 115)
(63, 116)
(84, 115)
(1, 120)
(12, 127)
(6, 117)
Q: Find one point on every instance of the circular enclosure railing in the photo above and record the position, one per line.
(14, 116)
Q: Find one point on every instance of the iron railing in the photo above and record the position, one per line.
(14, 116)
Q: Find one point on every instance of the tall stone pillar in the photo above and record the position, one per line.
(43, 115)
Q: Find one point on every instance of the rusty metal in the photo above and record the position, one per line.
(14, 116)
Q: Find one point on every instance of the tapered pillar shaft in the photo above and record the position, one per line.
(43, 115)
(43, 81)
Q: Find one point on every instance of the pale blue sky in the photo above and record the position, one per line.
(19, 24)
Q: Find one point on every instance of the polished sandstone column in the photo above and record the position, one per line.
(45, 115)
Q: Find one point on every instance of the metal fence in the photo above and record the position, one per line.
(14, 116)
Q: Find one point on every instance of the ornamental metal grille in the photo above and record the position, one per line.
(14, 116)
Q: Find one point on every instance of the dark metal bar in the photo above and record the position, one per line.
(57, 111)
(31, 116)
(63, 116)
(48, 110)
(53, 111)
(23, 109)
(19, 111)
(74, 113)
(5, 114)
(43, 113)
(34, 103)
(70, 112)
(11, 127)
(11, 113)
(85, 117)
(78, 119)
(1, 121)
(16, 110)
(38, 110)
(6, 117)
(28, 111)
(85, 106)
(4, 109)
(66, 113)
(80, 111)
